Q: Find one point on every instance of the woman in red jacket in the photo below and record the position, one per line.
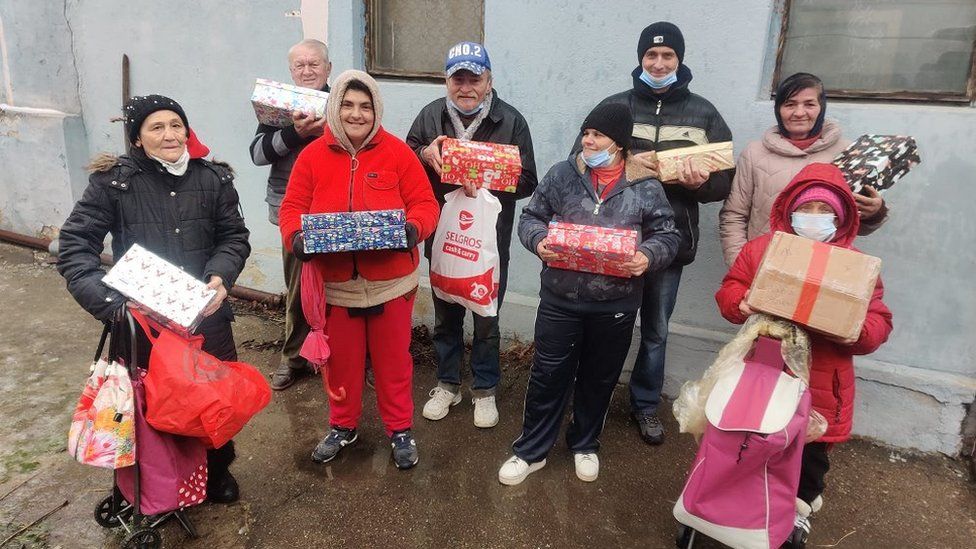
(817, 204)
(356, 166)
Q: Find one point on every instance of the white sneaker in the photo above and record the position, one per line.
(485, 412)
(587, 466)
(440, 403)
(515, 469)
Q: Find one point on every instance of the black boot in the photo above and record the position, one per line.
(221, 485)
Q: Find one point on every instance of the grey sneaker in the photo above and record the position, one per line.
(333, 443)
(650, 427)
(288, 372)
(404, 446)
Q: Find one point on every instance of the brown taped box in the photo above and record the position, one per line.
(713, 157)
(825, 288)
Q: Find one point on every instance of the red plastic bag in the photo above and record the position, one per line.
(191, 393)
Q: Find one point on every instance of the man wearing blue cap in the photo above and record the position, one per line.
(470, 110)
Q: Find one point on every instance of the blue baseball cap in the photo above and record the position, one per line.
(470, 56)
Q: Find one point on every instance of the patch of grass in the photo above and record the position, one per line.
(17, 462)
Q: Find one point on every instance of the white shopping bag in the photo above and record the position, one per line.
(464, 259)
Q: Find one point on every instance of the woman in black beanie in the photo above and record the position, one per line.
(584, 323)
(165, 197)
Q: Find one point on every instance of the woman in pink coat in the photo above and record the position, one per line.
(802, 135)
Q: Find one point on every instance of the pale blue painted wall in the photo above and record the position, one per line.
(553, 61)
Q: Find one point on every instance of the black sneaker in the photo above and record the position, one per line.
(650, 427)
(333, 443)
(404, 446)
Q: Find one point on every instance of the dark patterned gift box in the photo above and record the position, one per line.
(354, 231)
(877, 161)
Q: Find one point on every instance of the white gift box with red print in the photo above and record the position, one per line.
(172, 295)
(591, 249)
(493, 166)
(274, 102)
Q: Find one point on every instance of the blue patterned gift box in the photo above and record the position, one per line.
(354, 231)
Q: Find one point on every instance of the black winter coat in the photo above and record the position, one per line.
(677, 118)
(505, 125)
(636, 202)
(193, 221)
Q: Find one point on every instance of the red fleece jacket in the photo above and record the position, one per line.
(384, 175)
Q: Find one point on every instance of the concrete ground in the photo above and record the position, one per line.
(877, 496)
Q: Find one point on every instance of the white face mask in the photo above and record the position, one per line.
(819, 227)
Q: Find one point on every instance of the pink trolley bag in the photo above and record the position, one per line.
(741, 490)
(169, 475)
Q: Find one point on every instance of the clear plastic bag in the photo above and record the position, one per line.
(689, 407)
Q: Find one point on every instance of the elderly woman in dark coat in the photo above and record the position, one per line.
(183, 209)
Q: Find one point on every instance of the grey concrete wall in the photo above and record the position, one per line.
(41, 152)
(554, 62)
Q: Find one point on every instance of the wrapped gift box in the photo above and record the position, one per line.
(877, 161)
(591, 249)
(354, 231)
(820, 286)
(493, 166)
(274, 102)
(172, 296)
(712, 157)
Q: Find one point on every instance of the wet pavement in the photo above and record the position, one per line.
(877, 496)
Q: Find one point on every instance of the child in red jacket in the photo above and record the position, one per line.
(817, 204)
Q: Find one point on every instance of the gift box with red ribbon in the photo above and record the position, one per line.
(493, 166)
(591, 249)
(823, 287)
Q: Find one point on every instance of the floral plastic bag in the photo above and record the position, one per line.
(102, 427)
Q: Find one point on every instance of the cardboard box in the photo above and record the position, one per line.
(354, 231)
(274, 102)
(877, 161)
(591, 249)
(823, 287)
(493, 166)
(172, 296)
(713, 157)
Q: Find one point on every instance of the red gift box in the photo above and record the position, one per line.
(591, 249)
(493, 166)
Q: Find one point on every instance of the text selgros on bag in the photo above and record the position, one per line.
(464, 260)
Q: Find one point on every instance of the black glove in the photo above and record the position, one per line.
(298, 247)
(412, 235)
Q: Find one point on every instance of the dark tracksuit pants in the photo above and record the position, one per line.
(576, 352)
(815, 464)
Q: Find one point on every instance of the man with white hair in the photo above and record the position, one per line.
(310, 67)
(470, 110)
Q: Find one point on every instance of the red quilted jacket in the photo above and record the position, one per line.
(832, 364)
(387, 175)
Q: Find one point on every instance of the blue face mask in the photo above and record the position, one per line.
(659, 83)
(599, 159)
(473, 111)
(819, 227)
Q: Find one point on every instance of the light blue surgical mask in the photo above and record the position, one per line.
(659, 83)
(599, 159)
(819, 227)
(472, 112)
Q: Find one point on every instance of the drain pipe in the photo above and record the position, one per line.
(266, 299)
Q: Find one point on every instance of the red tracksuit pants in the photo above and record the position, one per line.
(387, 337)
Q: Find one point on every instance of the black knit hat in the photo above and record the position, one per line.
(613, 120)
(137, 109)
(661, 33)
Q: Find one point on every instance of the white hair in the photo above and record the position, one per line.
(314, 44)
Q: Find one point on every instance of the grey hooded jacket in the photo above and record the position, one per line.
(636, 202)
